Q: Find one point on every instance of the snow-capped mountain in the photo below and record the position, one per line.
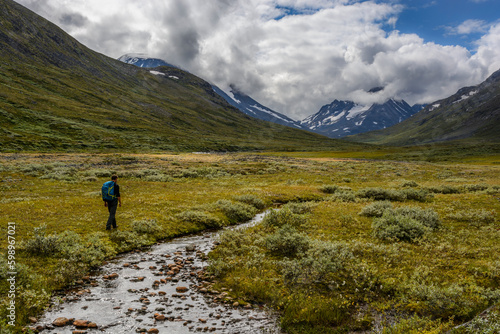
(142, 60)
(343, 118)
(254, 109)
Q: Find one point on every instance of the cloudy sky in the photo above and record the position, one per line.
(296, 55)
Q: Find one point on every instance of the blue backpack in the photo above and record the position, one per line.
(108, 191)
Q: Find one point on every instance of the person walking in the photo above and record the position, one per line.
(112, 199)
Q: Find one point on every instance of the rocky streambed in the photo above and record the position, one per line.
(161, 290)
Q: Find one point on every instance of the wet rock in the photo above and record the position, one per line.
(181, 289)
(159, 317)
(81, 323)
(32, 320)
(60, 322)
(236, 304)
(78, 332)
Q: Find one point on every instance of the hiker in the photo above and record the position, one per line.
(111, 198)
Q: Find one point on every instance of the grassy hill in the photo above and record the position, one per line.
(56, 94)
(471, 116)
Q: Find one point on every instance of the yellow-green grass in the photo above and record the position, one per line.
(62, 192)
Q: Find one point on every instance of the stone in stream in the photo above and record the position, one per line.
(60, 322)
(181, 289)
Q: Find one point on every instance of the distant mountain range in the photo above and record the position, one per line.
(336, 120)
(342, 118)
(472, 114)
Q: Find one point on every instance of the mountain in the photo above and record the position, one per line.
(472, 115)
(253, 108)
(56, 94)
(142, 60)
(342, 118)
(237, 99)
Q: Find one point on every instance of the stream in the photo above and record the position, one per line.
(155, 291)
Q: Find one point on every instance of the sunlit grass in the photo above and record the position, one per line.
(175, 194)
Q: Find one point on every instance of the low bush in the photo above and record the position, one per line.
(146, 226)
(376, 209)
(443, 189)
(393, 226)
(343, 196)
(42, 244)
(300, 208)
(329, 189)
(320, 259)
(426, 217)
(475, 217)
(284, 216)
(380, 194)
(474, 187)
(126, 240)
(252, 200)
(286, 241)
(199, 217)
(419, 195)
(236, 212)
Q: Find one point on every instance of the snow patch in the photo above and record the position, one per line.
(270, 113)
(157, 73)
(434, 106)
(466, 96)
(173, 77)
(356, 110)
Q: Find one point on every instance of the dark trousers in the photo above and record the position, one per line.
(112, 206)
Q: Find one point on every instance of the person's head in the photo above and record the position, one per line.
(114, 178)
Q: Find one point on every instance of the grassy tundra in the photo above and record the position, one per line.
(357, 245)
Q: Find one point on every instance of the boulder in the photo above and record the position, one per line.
(181, 289)
(60, 322)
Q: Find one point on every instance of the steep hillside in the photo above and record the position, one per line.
(57, 94)
(470, 115)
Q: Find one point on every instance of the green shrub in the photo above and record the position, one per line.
(146, 226)
(380, 194)
(42, 244)
(321, 259)
(393, 226)
(343, 196)
(427, 217)
(90, 251)
(475, 217)
(329, 189)
(236, 212)
(417, 325)
(411, 184)
(287, 241)
(284, 216)
(199, 217)
(419, 195)
(300, 208)
(444, 189)
(252, 200)
(474, 187)
(127, 240)
(376, 209)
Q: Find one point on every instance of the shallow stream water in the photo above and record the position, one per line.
(141, 295)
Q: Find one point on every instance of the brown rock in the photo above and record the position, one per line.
(81, 323)
(181, 289)
(153, 331)
(79, 332)
(92, 325)
(162, 293)
(60, 322)
(159, 317)
(113, 276)
(236, 304)
(203, 320)
(33, 320)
